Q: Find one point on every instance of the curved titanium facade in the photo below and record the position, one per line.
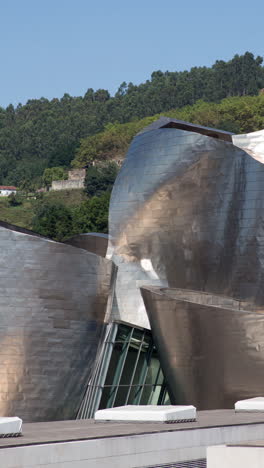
(187, 211)
(90, 241)
(53, 301)
(211, 347)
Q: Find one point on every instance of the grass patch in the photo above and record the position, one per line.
(66, 197)
(22, 215)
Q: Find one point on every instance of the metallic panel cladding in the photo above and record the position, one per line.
(53, 300)
(212, 352)
(92, 242)
(187, 210)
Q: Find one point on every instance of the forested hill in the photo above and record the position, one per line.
(45, 133)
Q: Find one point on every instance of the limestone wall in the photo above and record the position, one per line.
(67, 184)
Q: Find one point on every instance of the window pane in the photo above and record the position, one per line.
(141, 362)
(152, 371)
(147, 341)
(129, 366)
(154, 395)
(137, 336)
(160, 380)
(134, 393)
(166, 399)
(121, 396)
(123, 333)
(106, 397)
(113, 363)
(145, 395)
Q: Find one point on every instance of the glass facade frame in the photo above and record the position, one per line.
(128, 372)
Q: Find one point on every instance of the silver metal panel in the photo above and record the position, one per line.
(186, 211)
(53, 301)
(252, 143)
(211, 348)
(92, 242)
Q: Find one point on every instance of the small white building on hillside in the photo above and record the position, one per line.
(6, 190)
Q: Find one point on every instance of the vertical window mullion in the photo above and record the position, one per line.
(135, 367)
(119, 370)
(154, 385)
(109, 346)
(94, 389)
(143, 374)
(162, 394)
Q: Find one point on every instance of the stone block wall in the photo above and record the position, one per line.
(67, 184)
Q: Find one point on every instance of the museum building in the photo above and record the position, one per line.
(166, 309)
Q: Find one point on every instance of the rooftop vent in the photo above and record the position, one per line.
(10, 427)
(250, 405)
(149, 413)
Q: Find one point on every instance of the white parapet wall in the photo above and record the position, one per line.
(129, 451)
(235, 457)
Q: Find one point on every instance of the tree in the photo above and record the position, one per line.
(100, 179)
(53, 220)
(54, 132)
(92, 215)
(15, 199)
(101, 95)
(53, 173)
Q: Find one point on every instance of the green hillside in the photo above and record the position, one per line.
(19, 215)
(62, 214)
(23, 214)
(45, 133)
(42, 139)
(237, 115)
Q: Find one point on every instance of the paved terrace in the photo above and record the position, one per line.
(90, 444)
(77, 430)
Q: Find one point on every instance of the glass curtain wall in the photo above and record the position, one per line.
(129, 374)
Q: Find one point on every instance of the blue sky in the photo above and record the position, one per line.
(52, 47)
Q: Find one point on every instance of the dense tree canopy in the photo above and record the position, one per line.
(235, 114)
(41, 139)
(53, 220)
(53, 173)
(92, 215)
(58, 221)
(43, 133)
(100, 179)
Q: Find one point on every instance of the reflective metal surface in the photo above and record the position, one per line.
(187, 211)
(252, 143)
(53, 301)
(91, 241)
(211, 347)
